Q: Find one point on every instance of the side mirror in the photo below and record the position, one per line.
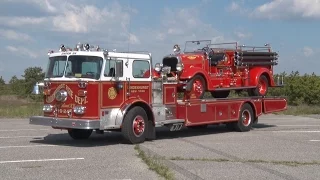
(118, 69)
(37, 88)
(118, 73)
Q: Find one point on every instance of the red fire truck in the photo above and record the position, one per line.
(219, 68)
(90, 89)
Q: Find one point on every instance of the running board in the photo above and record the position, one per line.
(234, 88)
(167, 122)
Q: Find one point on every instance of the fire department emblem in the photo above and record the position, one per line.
(112, 93)
(192, 57)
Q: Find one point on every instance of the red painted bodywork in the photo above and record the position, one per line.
(225, 74)
(90, 100)
(226, 110)
(105, 95)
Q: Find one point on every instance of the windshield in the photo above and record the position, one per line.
(76, 66)
(192, 46)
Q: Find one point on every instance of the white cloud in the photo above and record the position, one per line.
(308, 51)
(242, 35)
(288, 9)
(234, 6)
(186, 25)
(21, 21)
(13, 35)
(22, 51)
(238, 7)
(110, 23)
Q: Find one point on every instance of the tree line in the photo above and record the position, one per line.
(299, 89)
(23, 87)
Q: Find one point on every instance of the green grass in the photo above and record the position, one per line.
(13, 107)
(154, 164)
(285, 163)
(301, 110)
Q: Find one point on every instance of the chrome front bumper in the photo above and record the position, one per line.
(65, 123)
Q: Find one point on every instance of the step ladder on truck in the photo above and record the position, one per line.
(99, 90)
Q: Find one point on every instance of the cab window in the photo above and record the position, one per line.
(140, 69)
(109, 68)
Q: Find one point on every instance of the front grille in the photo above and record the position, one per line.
(171, 62)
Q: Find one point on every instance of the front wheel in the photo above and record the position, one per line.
(80, 133)
(262, 88)
(198, 87)
(134, 125)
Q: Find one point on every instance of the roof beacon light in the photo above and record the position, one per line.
(79, 46)
(62, 48)
(87, 47)
(176, 49)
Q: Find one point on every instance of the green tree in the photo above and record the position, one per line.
(2, 86)
(32, 75)
(2, 81)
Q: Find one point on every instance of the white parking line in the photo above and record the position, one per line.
(41, 160)
(298, 125)
(8, 137)
(12, 130)
(5, 147)
(297, 131)
(314, 140)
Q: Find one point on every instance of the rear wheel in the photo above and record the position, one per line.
(134, 125)
(262, 87)
(220, 94)
(80, 133)
(198, 87)
(246, 119)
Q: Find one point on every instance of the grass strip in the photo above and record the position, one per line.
(301, 110)
(154, 164)
(286, 163)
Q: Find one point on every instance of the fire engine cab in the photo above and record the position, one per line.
(90, 89)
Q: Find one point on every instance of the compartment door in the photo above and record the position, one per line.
(271, 105)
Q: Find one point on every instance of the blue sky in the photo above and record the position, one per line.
(28, 29)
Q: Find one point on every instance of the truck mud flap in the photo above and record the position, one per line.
(271, 105)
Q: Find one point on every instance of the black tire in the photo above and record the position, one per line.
(198, 127)
(246, 119)
(203, 82)
(263, 83)
(135, 115)
(231, 126)
(220, 94)
(80, 133)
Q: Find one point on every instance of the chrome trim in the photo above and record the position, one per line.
(171, 121)
(65, 123)
(112, 118)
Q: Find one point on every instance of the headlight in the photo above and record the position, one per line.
(47, 108)
(157, 67)
(179, 67)
(79, 109)
(61, 95)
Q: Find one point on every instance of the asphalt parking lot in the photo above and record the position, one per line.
(279, 147)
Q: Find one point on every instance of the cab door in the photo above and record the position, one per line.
(112, 92)
(139, 84)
